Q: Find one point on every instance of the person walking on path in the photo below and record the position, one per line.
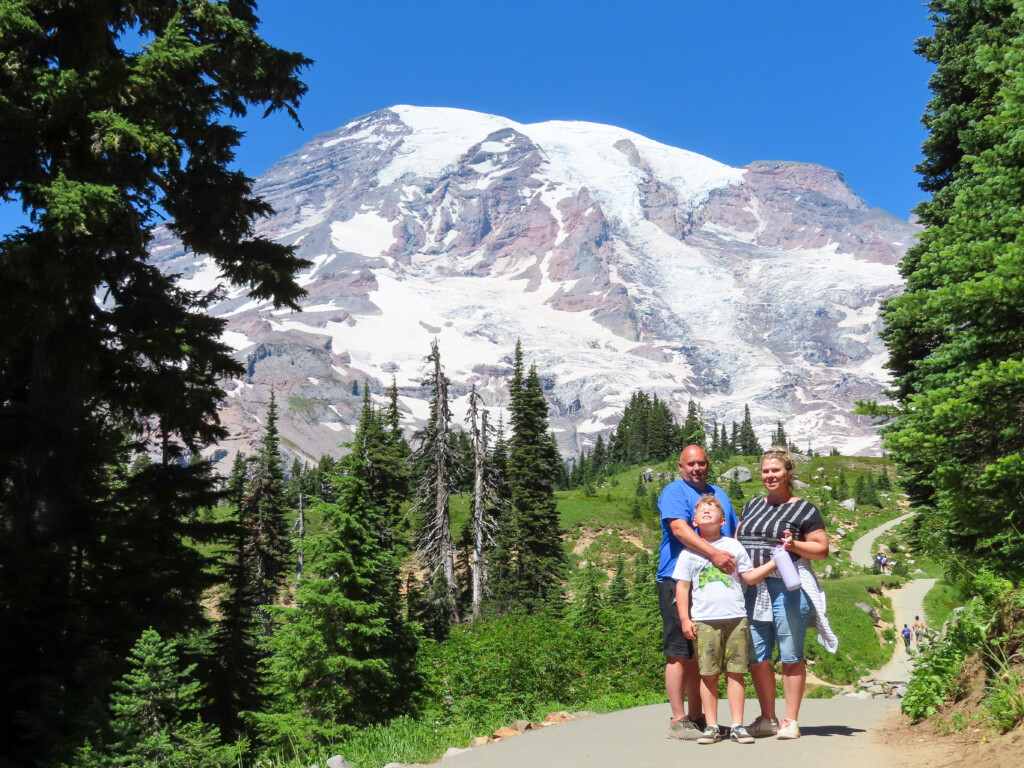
(918, 629)
(906, 637)
(676, 505)
(716, 618)
(779, 616)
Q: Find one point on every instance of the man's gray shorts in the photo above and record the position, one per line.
(675, 644)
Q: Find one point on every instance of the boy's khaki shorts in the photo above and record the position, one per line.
(722, 643)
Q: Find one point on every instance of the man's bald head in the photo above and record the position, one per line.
(693, 465)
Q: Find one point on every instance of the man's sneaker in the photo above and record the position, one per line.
(740, 735)
(684, 729)
(788, 729)
(763, 726)
(711, 735)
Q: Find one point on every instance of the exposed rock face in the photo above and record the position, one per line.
(620, 263)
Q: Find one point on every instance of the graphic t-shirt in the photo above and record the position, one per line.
(714, 595)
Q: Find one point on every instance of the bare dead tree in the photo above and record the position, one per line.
(484, 499)
(438, 455)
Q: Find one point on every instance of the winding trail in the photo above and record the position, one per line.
(863, 548)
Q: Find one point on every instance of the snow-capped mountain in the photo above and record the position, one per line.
(620, 263)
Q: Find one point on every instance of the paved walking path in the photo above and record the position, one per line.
(907, 603)
(863, 550)
(836, 733)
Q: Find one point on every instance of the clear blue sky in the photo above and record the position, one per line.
(834, 82)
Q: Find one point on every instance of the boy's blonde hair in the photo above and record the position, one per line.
(709, 499)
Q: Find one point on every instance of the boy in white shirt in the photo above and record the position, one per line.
(717, 619)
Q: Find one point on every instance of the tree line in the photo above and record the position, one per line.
(649, 433)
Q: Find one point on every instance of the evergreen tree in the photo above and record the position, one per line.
(954, 335)
(748, 443)
(438, 455)
(884, 483)
(529, 562)
(734, 440)
(693, 428)
(778, 437)
(382, 462)
(234, 672)
(586, 608)
(113, 121)
(842, 488)
(599, 458)
(344, 657)
(265, 516)
(150, 710)
(735, 490)
(661, 442)
(618, 590)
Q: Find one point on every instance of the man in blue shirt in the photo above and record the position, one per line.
(676, 505)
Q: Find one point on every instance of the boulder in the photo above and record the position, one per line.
(842, 533)
(828, 568)
(864, 695)
(833, 549)
(870, 610)
(479, 741)
(848, 504)
(884, 549)
(557, 717)
(522, 725)
(338, 762)
(742, 474)
(504, 733)
(799, 484)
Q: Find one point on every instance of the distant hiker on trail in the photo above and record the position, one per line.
(717, 618)
(885, 564)
(906, 636)
(918, 629)
(778, 616)
(676, 505)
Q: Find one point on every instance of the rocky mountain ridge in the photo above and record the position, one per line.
(619, 262)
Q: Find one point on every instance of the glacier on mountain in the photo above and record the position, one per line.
(620, 263)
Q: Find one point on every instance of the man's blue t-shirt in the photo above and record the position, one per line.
(676, 503)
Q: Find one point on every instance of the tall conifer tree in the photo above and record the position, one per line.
(437, 455)
(344, 657)
(265, 516)
(114, 120)
(529, 562)
(955, 335)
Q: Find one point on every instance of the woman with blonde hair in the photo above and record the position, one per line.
(777, 616)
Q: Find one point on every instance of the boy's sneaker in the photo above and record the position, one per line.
(764, 726)
(740, 735)
(711, 735)
(684, 728)
(788, 729)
